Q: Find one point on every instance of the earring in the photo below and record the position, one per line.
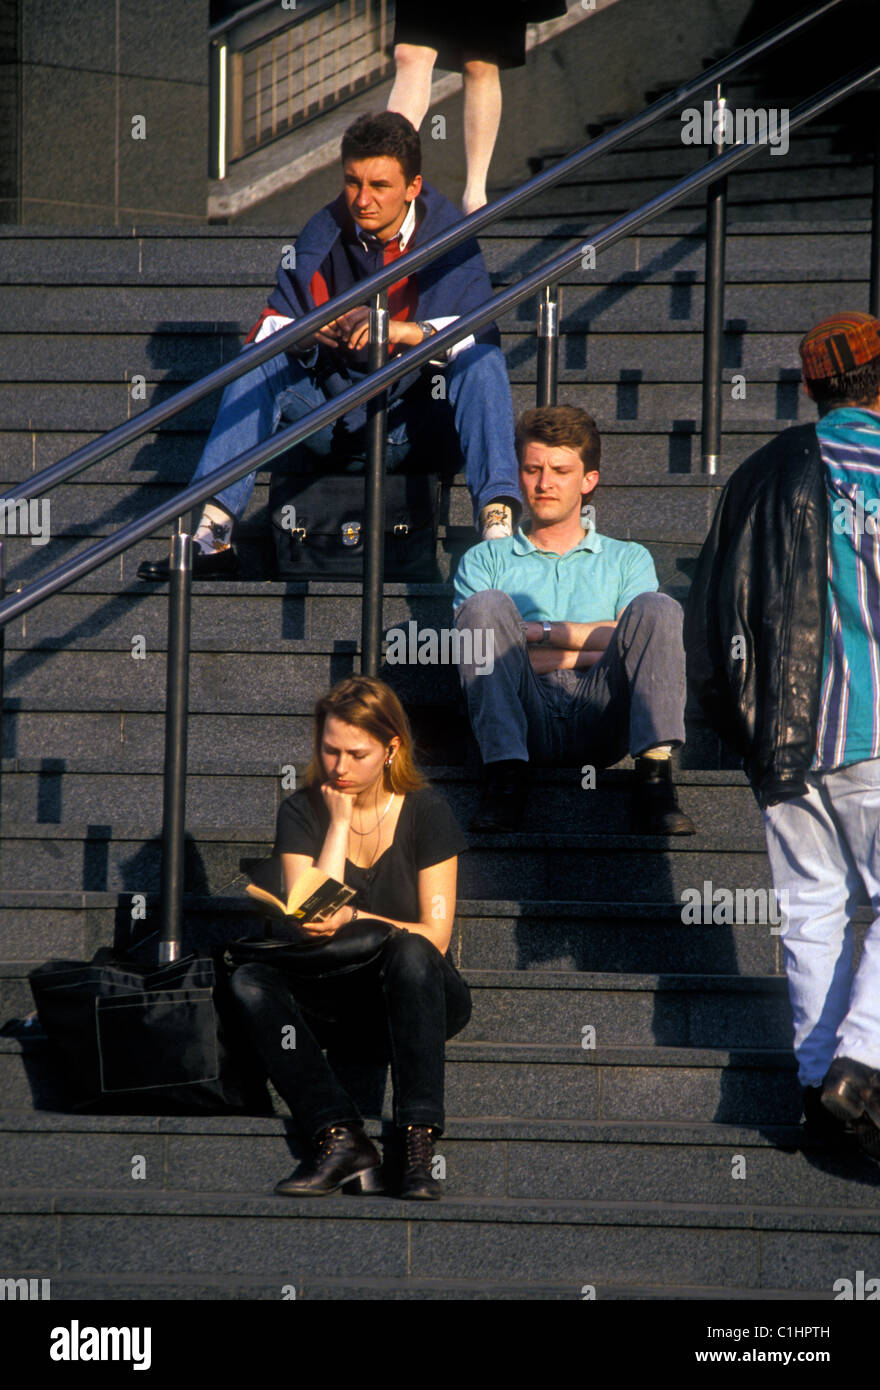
(388, 759)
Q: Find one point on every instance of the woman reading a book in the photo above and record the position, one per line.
(367, 820)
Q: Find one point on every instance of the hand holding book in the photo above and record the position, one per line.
(317, 932)
(313, 901)
(327, 926)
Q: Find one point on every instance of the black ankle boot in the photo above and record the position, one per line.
(418, 1182)
(343, 1154)
(505, 793)
(820, 1126)
(852, 1089)
(655, 806)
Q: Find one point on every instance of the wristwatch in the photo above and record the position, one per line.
(545, 640)
(428, 329)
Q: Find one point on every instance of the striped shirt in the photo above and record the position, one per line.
(849, 707)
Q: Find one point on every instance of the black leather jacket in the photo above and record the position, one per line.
(762, 577)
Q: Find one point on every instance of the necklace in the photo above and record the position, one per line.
(378, 822)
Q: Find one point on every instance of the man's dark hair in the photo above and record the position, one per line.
(561, 427)
(858, 387)
(387, 133)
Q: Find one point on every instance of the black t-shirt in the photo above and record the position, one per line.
(426, 833)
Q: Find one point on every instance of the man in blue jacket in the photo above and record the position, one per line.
(383, 211)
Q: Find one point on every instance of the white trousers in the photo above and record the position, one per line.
(823, 847)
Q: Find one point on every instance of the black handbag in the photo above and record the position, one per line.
(356, 944)
(304, 957)
(146, 1039)
(318, 525)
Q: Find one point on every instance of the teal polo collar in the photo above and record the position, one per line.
(592, 541)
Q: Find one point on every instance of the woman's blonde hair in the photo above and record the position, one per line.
(371, 705)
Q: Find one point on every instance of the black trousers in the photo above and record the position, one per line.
(400, 1008)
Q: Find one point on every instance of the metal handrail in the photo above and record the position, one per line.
(242, 16)
(551, 271)
(417, 257)
(374, 391)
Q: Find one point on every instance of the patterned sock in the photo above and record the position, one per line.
(214, 531)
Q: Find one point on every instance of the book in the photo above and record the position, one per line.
(313, 898)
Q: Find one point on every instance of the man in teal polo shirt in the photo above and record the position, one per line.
(588, 659)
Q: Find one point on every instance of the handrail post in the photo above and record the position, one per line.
(713, 306)
(549, 310)
(2, 663)
(874, 273)
(174, 781)
(374, 497)
(218, 114)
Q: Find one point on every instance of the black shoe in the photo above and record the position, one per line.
(504, 798)
(655, 806)
(206, 564)
(418, 1182)
(851, 1089)
(820, 1126)
(867, 1137)
(343, 1155)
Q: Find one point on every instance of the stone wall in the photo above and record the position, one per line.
(113, 105)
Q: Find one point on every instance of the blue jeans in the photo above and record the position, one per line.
(822, 847)
(474, 422)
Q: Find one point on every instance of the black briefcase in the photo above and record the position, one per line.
(318, 525)
(146, 1039)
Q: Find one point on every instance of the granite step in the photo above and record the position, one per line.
(632, 395)
(101, 361)
(502, 1241)
(585, 1160)
(219, 682)
(134, 309)
(639, 938)
(599, 1009)
(681, 502)
(172, 454)
(560, 1081)
(51, 791)
(532, 866)
(753, 194)
(177, 1288)
(247, 256)
(265, 616)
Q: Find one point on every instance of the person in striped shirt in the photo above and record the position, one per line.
(791, 572)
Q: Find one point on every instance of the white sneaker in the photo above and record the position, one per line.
(496, 521)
